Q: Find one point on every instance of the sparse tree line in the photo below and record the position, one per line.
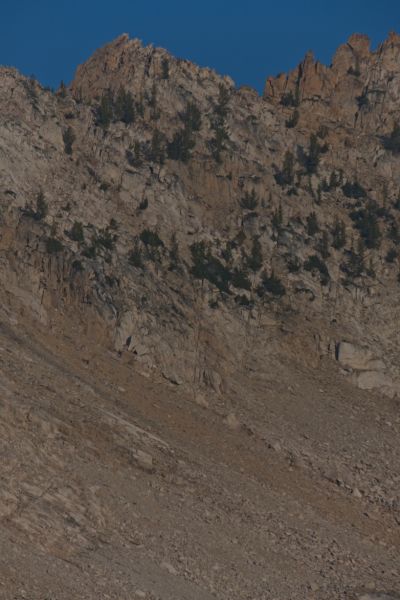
(238, 267)
(222, 271)
(116, 107)
(122, 107)
(369, 220)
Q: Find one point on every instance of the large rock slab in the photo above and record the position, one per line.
(358, 358)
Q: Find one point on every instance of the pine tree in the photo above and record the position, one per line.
(290, 99)
(192, 117)
(312, 224)
(68, 139)
(181, 146)
(124, 109)
(315, 264)
(174, 253)
(249, 200)
(355, 264)
(271, 284)
(104, 113)
(286, 175)
(218, 124)
(394, 233)
(338, 234)
(41, 207)
(157, 147)
(165, 68)
(217, 143)
(221, 108)
(255, 260)
(76, 232)
(293, 119)
(354, 190)
(312, 158)
(392, 141)
(334, 180)
(277, 219)
(366, 221)
(62, 90)
(323, 245)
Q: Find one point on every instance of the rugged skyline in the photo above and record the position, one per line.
(248, 42)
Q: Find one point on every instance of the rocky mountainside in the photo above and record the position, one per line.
(198, 327)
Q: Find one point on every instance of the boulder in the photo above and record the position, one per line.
(351, 356)
(372, 380)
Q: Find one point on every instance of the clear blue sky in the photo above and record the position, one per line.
(248, 40)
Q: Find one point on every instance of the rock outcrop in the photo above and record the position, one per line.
(194, 281)
(285, 225)
(359, 89)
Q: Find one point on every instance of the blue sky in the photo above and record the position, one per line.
(248, 40)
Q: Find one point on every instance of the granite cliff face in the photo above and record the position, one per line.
(259, 186)
(222, 245)
(359, 89)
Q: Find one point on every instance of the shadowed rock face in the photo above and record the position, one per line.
(199, 299)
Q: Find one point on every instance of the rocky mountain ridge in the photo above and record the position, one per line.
(359, 88)
(226, 253)
(286, 219)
